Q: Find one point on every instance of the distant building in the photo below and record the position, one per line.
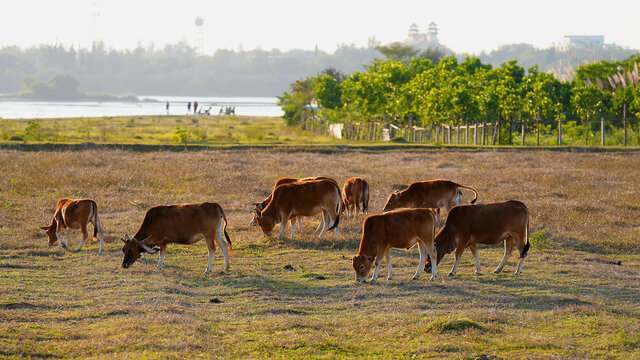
(425, 40)
(584, 41)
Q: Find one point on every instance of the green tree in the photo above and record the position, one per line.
(398, 52)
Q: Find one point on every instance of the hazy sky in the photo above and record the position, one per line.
(465, 25)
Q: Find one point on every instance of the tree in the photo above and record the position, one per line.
(398, 52)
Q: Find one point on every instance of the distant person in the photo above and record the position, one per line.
(195, 107)
(167, 108)
(188, 107)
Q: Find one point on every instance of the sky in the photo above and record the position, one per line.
(465, 26)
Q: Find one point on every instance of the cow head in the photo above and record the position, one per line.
(133, 248)
(362, 266)
(256, 212)
(51, 233)
(393, 202)
(266, 223)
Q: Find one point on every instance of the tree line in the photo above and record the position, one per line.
(417, 91)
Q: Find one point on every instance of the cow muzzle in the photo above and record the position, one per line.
(126, 265)
(360, 279)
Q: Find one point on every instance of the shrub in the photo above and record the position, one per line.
(540, 240)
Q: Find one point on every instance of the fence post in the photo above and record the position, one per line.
(496, 129)
(624, 122)
(484, 126)
(458, 134)
(524, 127)
(602, 131)
(559, 131)
(510, 131)
(586, 133)
(475, 133)
(466, 132)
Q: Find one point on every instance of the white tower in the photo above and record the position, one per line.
(199, 45)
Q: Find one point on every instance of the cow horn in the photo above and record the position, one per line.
(144, 245)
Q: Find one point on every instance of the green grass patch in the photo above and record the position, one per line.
(453, 325)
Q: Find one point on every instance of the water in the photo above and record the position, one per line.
(250, 106)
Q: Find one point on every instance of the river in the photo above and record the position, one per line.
(250, 106)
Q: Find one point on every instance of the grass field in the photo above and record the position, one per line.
(156, 130)
(578, 295)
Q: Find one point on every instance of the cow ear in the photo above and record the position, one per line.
(45, 228)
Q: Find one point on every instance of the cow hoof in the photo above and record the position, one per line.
(432, 278)
(389, 277)
(496, 271)
(478, 273)
(414, 278)
(207, 271)
(451, 273)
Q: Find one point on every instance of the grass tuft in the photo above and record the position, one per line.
(456, 325)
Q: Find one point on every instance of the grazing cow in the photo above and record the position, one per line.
(181, 224)
(395, 229)
(354, 192)
(428, 194)
(488, 224)
(307, 198)
(74, 214)
(288, 180)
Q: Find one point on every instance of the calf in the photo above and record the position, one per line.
(428, 194)
(74, 214)
(395, 229)
(488, 224)
(307, 198)
(181, 224)
(354, 192)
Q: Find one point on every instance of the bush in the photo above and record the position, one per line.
(540, 240)
(399, 140)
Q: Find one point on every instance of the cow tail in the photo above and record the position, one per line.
(365, 196)
(338, 206)
(226, 235)
(526, 247)
(96, 222)
(472, 189)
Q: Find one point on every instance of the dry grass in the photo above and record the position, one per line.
(572, 301)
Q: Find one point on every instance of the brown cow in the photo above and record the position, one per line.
(74, 214)
(288, 180)
(307, 198)
(354, 192)
(395, 229)
(181, 224)
(428, 194)
(488, 224)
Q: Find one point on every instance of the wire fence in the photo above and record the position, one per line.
(585, 132)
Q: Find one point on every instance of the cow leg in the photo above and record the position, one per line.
(100, 236)
(508, 248)
(459, 251)
(474, 251)
(387, 256)
(85, 235)
(433, 257)
(521, 241)
(293, 227)
(224, 246)
(337, 230)
(321, 225)
(163, 248)
(299, 223)
(283, 226)
(325, 223)
(65, 245)
(423, 259)
(357, 209)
